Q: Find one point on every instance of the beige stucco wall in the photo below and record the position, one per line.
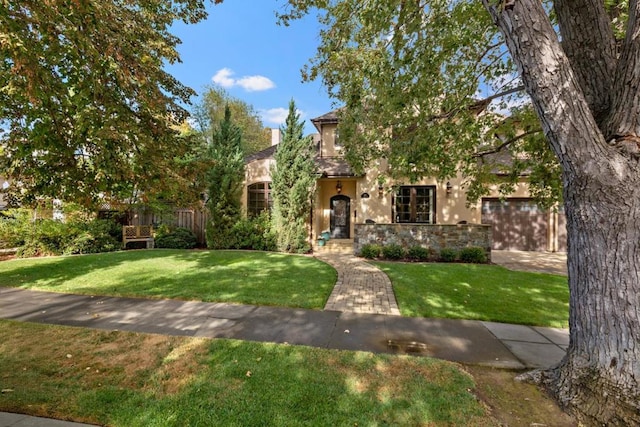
(327, 147)
(451, 208)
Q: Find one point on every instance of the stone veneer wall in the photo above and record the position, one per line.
(437, 237)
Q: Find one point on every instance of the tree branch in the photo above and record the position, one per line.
(592, 53)
(623, 122)
(505, 144)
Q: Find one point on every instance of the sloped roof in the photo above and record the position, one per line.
(261, 155)
(325, 166)
(330, 117)
(330, 167)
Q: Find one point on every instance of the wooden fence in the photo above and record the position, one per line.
(193, 219)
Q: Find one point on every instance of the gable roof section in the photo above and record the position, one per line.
(333, 167)
(326, 167)
(267, 153)
(330, 117)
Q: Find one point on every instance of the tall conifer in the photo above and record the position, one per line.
(293, 183)
(224, 182)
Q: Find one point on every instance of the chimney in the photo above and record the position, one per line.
(276, 137)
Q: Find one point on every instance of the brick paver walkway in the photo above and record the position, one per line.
(360, 288)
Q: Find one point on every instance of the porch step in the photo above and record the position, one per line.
(336, 246)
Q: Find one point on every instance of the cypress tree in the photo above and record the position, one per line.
(293, 183)
(224, 182)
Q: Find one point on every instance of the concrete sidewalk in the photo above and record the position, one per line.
(466, 341)
(8, 419)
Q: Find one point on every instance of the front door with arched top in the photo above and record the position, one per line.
(340, 217)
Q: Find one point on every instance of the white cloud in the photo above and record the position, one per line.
(255, 83)
(277, 116)
(224, 78)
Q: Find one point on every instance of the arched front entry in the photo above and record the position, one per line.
(340, 217)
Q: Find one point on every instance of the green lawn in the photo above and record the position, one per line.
(456, 291)
(480, 292)
(246, 277)
(127, 379)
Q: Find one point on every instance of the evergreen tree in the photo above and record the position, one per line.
(292, 185)
(224, 182)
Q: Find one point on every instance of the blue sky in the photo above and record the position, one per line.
(241, 48)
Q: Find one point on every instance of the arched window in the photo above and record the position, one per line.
(259, 198)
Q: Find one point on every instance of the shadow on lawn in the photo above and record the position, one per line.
(479, 292)
(243, 383)
(232, 276)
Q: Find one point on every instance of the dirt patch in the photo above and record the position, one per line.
(515, 403)
(182, 364)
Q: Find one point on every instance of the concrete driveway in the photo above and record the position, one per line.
(539, 262)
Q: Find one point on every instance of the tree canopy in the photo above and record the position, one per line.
(210, 110)
(86, 108)
(441, 86)
(438, 74)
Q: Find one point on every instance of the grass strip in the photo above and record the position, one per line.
(129, 379)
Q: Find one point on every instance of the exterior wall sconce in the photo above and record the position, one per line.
(339, 187)
(380, 190)
(365, 195)
(449, 188)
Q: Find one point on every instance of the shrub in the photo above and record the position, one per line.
(14, 227)
(179, 238)
(448, 255)
(393, 251)
(370, 251)
(474, 255)
(419, 253)
(254, 234)
(100, 235)
(47, 237)
(79, 235)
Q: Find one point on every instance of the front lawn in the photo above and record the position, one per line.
(246, 277)
(479, 292)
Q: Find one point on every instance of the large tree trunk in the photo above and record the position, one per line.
(599, 379)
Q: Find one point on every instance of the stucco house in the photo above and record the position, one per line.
(360, 209)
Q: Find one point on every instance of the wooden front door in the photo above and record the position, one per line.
(340, 217)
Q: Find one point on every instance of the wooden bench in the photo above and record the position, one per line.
(137, 233)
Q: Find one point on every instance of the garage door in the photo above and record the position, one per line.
(518, 224)
(562, 230)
